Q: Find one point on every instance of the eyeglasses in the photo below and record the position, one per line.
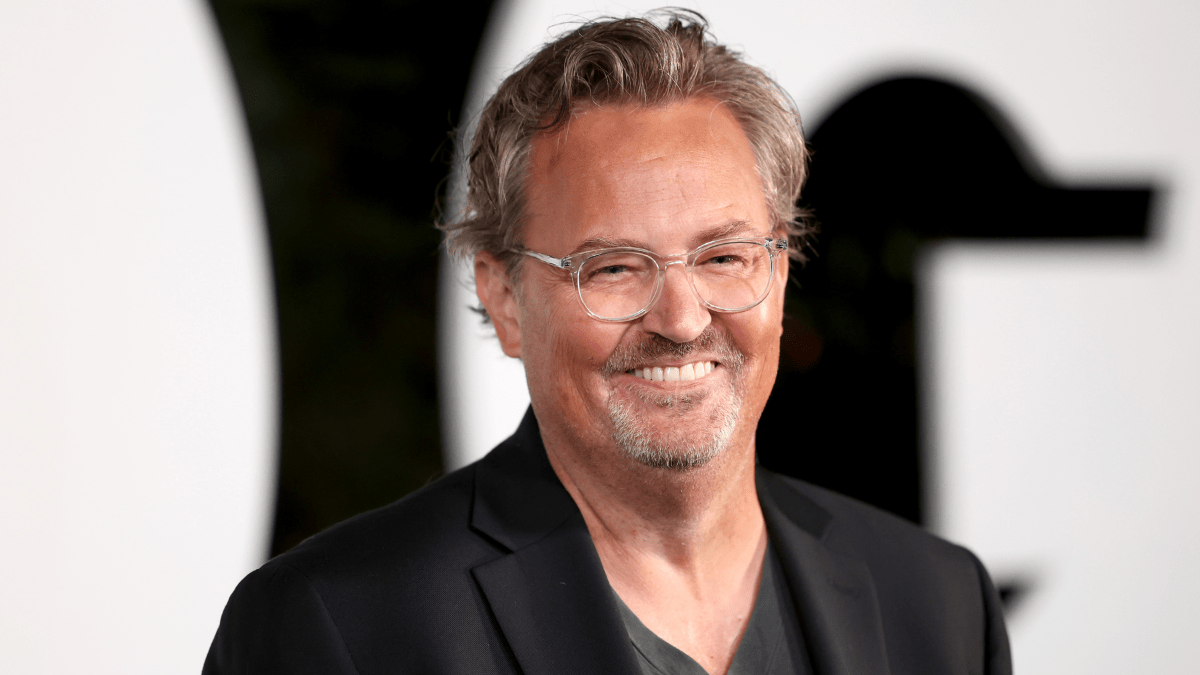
(621, 283)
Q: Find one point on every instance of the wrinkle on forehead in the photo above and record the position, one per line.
(603, 136)
(728, 230)
(607, 142)
(634, 165)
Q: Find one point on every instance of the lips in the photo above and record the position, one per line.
(684, 373)
(712, 349)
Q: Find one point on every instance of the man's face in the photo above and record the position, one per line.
(665, 179)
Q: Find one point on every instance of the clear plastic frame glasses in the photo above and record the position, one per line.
(622, 283)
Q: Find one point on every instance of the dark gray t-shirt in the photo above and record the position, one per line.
(771, 645)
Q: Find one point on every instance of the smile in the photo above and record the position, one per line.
(685, 373)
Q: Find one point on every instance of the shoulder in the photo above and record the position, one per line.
(911, 568)
(424, 533)
(851, 527)
(342, 597)
(935, 600)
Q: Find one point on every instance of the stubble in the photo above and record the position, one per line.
(659, 445)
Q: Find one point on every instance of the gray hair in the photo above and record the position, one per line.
(624, 61)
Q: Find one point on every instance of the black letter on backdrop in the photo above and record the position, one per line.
(904, 162)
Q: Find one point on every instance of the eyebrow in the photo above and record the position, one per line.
(731, 229)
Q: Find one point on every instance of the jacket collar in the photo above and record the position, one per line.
(550, 594)
(834, 593)
(552, 599)
(518, 497)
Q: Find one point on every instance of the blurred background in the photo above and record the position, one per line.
(351, 109)
(225, 323)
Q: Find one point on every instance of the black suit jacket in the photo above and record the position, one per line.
(491, 570)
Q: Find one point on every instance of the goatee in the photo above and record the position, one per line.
(660, 446)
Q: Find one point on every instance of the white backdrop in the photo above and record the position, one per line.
(137, 376)
(1063, 441)
(137, 354)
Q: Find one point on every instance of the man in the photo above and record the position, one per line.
(630, 214)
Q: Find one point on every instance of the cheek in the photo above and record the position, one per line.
(760, 328)
(545, 307)
(593, 344)
(564, 340)
(757, 335)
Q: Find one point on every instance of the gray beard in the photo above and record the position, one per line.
(660, 448)
(665, 448)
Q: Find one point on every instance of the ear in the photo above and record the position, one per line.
(499, 298)
(782, 264)
(781, 283)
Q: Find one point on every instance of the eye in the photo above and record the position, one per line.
(606, 273)
(723, 259)
(616, 268)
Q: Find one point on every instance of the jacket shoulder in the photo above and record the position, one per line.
(388, 590)
(924, 585)
(853, 527)
(425, 532)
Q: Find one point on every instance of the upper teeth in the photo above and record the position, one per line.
(691, 371)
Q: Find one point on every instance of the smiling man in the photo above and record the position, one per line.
(631, 213)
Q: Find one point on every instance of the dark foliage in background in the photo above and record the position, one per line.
(349, 108)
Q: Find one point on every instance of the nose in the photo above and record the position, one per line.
(677, 314)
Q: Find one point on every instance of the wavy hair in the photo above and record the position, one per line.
(619, 62)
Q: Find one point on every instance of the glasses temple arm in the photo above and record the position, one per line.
(561, 263)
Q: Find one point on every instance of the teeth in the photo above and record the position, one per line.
(685, 373)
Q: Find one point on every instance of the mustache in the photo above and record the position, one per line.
(712, 343)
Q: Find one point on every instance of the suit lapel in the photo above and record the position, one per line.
(549, 594)
(834, 594)
(552, 600)
(553, 603)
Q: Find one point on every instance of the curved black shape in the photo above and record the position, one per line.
(904, 162)
(348, 105)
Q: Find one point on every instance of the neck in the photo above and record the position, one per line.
(682, 514)
(683, 548)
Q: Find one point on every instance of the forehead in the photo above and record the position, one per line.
(648, 175)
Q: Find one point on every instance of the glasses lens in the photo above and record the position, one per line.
(733, 276)
(617, 285)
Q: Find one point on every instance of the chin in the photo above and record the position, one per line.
(689, 435)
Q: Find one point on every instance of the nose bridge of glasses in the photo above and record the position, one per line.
(684, 268)
(676, 310)
(664, 265)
